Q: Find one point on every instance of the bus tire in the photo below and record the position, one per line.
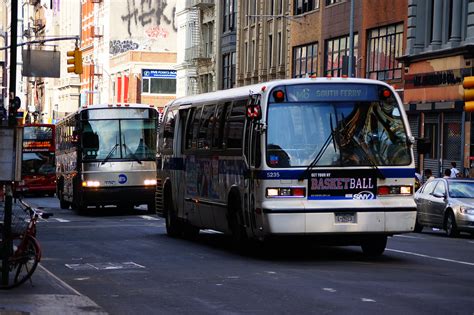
(151, 208)
(374, 246)
(236, 225)
(173, 226)
(63, 204)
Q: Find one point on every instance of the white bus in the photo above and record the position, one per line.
(314, 156)
(106, 155)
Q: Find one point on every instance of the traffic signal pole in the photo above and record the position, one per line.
(7, 218)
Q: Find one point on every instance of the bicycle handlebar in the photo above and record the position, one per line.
(34, 211)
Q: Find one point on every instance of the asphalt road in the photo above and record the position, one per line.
(125, 263)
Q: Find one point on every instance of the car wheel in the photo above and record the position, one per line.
(451, 226)
(418, 227)
(374, 246)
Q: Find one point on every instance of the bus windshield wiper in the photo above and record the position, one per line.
(133, 155)
(112, 151)
(319, 155)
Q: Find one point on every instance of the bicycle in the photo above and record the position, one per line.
(26, 250)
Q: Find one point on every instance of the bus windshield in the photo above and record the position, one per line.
(336, 133)
(118, 139)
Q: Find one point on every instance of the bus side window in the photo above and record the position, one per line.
(235, 125)
(168, 129)
(207, 114)
(192, 128)
(219, 125)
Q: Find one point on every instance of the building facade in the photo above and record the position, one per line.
(115, 35)
(439, 54)
(262, 41)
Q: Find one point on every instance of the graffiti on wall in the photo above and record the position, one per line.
(120, 46)
(156, 32)
(145, 12)
(143, 25)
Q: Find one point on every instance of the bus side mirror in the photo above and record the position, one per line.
(423, 145)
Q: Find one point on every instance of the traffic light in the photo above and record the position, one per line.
(76, 61)
(468, 85)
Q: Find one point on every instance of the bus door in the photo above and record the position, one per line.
(185, 183)
(252, 154)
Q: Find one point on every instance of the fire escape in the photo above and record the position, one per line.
(195, 53)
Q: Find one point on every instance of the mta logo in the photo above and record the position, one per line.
(122, 179)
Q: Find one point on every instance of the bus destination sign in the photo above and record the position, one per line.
(332, 92)
(342, 184)
(37, 145)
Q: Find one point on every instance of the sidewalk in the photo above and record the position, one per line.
(47, 294)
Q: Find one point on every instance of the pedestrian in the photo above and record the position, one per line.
(447, 173)
(418, 178)
(429, 174)
(454, 171)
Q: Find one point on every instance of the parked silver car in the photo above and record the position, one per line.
(446, 203)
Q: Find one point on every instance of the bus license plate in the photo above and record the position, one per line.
(345, 218)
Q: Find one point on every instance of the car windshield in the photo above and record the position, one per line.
(336, 134)
(119, 139)
(461, 189)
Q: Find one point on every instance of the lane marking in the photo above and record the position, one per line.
(61, 220)
(367, 300)
(408, 236)
(60, 281)
(329, 290)
(431, 257)
(147, 217)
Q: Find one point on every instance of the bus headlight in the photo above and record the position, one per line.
(394, 190)
(90, 183)
(150, 182)
(285, 192)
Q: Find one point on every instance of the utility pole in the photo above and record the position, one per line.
(351, 42)
(7, 219)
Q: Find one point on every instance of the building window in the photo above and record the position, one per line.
(303, 6)
(305, 60)
(228, 70)
(157, 81)
(337, 51)
(329, 2)
(384, 45)
(208, 36)
(229, 16)
(279, 49)
(270, 51)
(431, 133)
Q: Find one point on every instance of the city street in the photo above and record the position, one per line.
(125, 263)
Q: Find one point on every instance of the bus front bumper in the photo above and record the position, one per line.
(118, 195)
(386, 221)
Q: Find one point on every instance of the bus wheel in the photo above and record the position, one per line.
(374, 245)
(62, 203)
(173, 226)
(151, 208)
(239, 234)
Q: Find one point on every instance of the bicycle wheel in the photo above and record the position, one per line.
(23, 262)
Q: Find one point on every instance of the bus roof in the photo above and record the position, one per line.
(102, 106)
(257, 88)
